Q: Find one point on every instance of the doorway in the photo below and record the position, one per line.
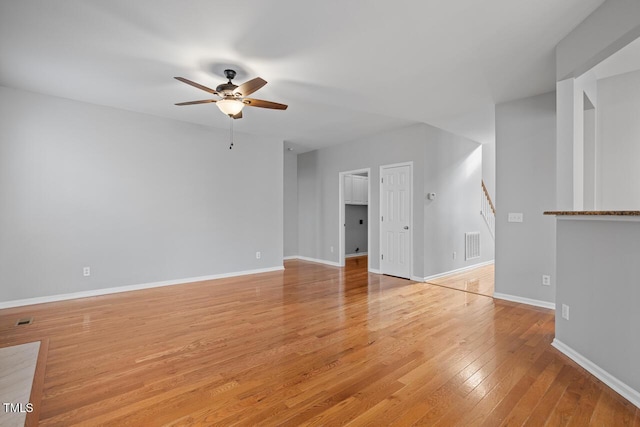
(396, 219)
(355, 215)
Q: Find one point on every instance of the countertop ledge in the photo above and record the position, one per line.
(594, 213)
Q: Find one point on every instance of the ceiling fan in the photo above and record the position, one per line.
(233, 97)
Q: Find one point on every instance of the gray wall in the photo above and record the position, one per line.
(598, 274)
(453, 170)
(525, 159)
(137, 198)
(442, 162)
(355, 234)
(618, 159)
(318, 186)
(290, 203)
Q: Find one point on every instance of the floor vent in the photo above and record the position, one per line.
(472, 245)
(24, 321)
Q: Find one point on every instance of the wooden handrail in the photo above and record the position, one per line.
(484, 188)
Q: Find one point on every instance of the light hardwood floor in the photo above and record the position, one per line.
(311, 345)
(479, 280)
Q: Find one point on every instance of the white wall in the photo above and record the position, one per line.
(570, 145)
(443, 163)
(137, 198)
(618, 160)
(525, 159)
(567, 112)
(489, 169)
(290, 203)
(609, 28)
(589, 180)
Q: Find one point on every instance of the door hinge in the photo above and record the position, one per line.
(382, 180)
(382, 218)
(382, 256)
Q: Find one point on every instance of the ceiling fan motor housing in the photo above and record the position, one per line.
(226, 89)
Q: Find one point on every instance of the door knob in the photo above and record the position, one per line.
(406, 227)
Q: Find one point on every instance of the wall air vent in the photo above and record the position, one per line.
(472, 245)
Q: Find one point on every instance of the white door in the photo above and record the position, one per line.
(395, 220)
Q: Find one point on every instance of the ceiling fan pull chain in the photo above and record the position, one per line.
(231, 133)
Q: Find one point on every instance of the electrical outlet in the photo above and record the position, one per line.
(565, 311)
(455, 255)
(515, 217)
(546, 280)
(258, 255)
(86, 271)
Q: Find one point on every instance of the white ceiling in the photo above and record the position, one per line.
(346, 68)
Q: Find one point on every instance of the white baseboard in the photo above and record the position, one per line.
(620, 387)
(128, 288)
(457, 270)
(319, 261)
(355, 255)
(374, 271)
(523, 300)
(290, 257)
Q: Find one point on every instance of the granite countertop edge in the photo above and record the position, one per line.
(593, 213)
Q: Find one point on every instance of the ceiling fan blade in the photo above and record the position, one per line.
(238, 116)
(204, 101)
(251, 102)
(198, 85)
(247, 88)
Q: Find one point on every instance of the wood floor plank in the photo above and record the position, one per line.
(541, 384)
(568, 404)
(589, 396)
(312, 345)
(497, 378)
(612, 409)
(478, 281)
(545, 407)
(499, 413)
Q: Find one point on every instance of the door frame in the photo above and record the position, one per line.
(341, 215)
(411, 186)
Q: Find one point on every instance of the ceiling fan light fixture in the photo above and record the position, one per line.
(230, 107)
